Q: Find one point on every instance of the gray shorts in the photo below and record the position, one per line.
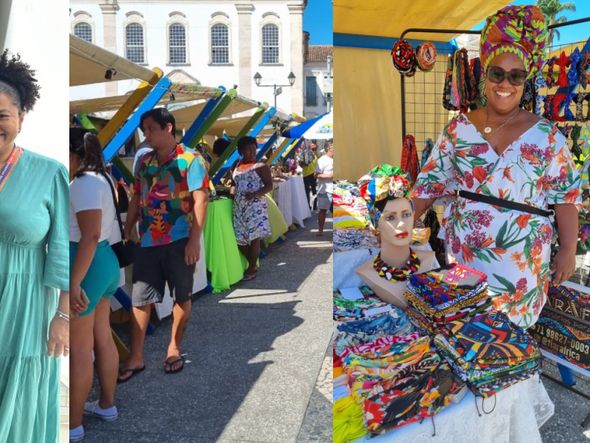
(153, 267)
(324, 201)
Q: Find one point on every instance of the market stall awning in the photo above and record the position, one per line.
(185, 115)
(178, 93)
(301, 129)
(386, 18)
(89, 63)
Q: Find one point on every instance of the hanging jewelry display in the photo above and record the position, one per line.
(402, 55)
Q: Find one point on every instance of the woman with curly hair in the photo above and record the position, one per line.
(33, 268)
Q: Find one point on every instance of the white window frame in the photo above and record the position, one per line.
(83, 17)
(134, 17)
(271, 18)
(220, 18)
(178, 18)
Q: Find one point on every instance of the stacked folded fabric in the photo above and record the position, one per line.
(351, 239)
(350, 209)
(442, 295)
(398, 380)
(370, 305)
(488, 352)
(358, 332)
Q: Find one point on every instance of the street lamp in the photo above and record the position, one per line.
(277, 89)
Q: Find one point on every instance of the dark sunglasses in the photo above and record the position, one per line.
(516, 77)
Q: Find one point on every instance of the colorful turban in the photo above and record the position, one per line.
(520, 30)
(383, 182)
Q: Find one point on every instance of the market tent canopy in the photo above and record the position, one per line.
(316, 128)
(88, 64)
(386, 18)
(185, 115)
(178, 93)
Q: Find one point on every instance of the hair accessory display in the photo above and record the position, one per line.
(402, 55)
(539, 100)
(583, 66)
(563, 62)
(567, 111)
(410, 156)
(397, 274)
(520, 30)
(550, 80)
(548, 107)
(528, 96)
(426, 56)
(428, 145)
(572, 75)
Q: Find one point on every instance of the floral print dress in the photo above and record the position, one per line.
(512, 247)
(250, 216)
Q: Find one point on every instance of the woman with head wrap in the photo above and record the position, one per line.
(34, 320)
(386, 191)
(501, 153)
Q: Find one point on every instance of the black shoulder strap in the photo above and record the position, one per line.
(116, 204)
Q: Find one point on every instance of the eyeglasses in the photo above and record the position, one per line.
(516, 77)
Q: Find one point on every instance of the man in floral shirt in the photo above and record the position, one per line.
(170, 202)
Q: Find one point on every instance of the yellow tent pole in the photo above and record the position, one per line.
(115, 123)
(277, 151)
(295, 143)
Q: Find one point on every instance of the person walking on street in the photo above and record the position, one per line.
(308, 163)
(170, 201)
(325, 177)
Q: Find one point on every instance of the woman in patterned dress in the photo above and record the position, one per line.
(503, 151)
(252, 180)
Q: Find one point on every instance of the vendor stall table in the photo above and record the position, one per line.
(516, 415)
(278, 225)
(221, 250)
(290, 197)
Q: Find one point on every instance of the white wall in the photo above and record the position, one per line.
(198, 15)
(318, 70)
(45, 129)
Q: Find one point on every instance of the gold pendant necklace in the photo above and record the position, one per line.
(488, 129)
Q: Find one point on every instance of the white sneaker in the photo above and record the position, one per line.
(108, 414)
(77, 434)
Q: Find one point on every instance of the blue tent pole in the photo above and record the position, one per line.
(205, 112)
(267, 146)
(132, 123)
(283, 150)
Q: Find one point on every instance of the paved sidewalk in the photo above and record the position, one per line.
(254, 356)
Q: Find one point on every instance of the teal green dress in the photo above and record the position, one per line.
(34, 264)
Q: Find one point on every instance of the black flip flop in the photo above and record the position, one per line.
(133, 372)
(171, 362)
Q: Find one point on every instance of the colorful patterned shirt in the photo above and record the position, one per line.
(166, 202)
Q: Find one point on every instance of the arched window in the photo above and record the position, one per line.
(134, 45)
(84, 31)
(219, 44)
(177, 43)
(270, 44)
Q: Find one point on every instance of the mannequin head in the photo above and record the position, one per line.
(381, 188)
(396, 222)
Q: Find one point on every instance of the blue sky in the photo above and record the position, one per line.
(317, 20)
